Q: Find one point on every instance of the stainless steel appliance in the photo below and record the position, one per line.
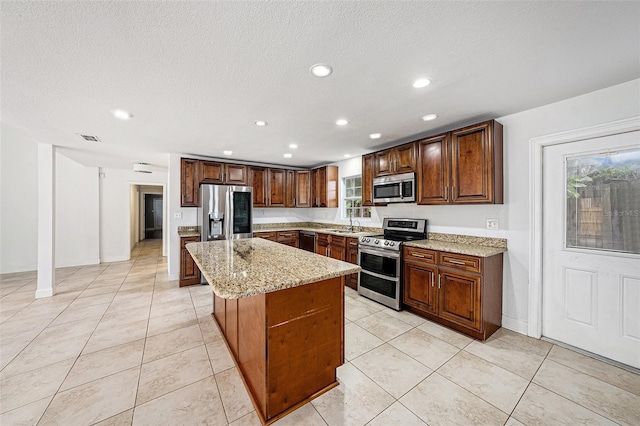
(226, 212)
(395, 189)
(308, 241)
(380, 257)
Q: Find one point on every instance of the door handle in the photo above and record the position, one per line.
(457, 262)
(417, 255)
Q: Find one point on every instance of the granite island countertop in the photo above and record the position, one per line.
(252, 266)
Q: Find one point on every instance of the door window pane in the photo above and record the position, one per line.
(603, 201)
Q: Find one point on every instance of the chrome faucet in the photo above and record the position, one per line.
(359, 226)
(350, 228)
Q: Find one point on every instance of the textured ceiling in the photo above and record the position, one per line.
(196, 75)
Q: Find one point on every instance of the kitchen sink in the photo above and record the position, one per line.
(340, 231)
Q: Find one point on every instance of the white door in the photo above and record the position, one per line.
(591, 245)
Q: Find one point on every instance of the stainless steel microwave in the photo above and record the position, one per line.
(395, 189)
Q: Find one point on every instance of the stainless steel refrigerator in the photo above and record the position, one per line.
(226, 212)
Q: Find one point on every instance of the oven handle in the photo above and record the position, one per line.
(382, 277)
(382, 253)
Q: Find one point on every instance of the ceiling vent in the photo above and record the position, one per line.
(142, 168)
(89, 138)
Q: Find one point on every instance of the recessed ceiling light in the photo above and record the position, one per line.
(293, 146)
(430, 117)
(347, 156)
(421, 82)
(287, 155)
(375, 135)
(321, 70)
(342, 122)
(227, 152)
(260, 123)
(121, 114)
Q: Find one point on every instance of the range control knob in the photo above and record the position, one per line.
(367, 240)
(377, 241)
(392, 244)
(386, 243)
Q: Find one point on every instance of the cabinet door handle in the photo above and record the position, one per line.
(457, 262)
(417, 255)
(446, 192)
(438, 281)
(453, 190)
(287, 235)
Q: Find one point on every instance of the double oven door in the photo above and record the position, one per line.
(379, 279)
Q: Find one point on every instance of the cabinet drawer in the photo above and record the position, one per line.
(271, 236)
(461, 261)
(287, 235)
(419, 255)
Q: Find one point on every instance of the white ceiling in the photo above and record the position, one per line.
(196, 75)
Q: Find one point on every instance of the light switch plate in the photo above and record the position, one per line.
(492, 224)
(177, 215)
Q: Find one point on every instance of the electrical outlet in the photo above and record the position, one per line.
(177, 215)
(492, 224)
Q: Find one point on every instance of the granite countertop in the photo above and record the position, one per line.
(188, 231)
(460, 248)
(321, 230)
(252, 266)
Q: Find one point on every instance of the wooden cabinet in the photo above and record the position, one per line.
(399, 159)
(352, 257)
(368, 170)
(462, 167)
(303, 188)
(290, 189)
(331, 246)
(324, 186)
(259, 181)
(222, 173)
(460, 291)
(271, 236)
(322, 244)
(277, 187)
(288, 238)
(189, 189)
(189, 272)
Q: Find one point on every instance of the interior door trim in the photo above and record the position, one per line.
(536, 146)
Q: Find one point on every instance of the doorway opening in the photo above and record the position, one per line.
(148, 218)
(152, 217)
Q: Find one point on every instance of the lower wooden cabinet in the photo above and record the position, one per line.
(271, 236)
(288, 238)
(331, 246)
(460, 291)
(189, 272)
(352, 257)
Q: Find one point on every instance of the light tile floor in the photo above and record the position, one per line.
(120, 345)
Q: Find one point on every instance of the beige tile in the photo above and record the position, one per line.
(204, 311)
(601, 370)
(123, 419)
(392, 370)
(396, 415)
(209, 329)
(35, 385)
(235, 398)
(102, 363)
(513, 358)
(542, 407)
(355, 401)
(171, 322)
(384, 326)
(170, 307)
(91, 291)
(27, 415)
(355, 309)
(358, 341)
(530, 344)
(173, 372)
(79, 313)
(424, 348)
(171, 342)
(92, 300)
(452, 337)
(305, 415)
(219, 356)
(497, 386)
(115, 318)
(250, 419)
(406, 316)
(437, 401)
(513, 422)
(349, 292)
(94, 401)
(605, 399)
(198, 403)
(107, 336)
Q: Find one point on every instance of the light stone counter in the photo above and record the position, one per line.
(320, 230)
(452, 247)
(188, 231)
(247, 267)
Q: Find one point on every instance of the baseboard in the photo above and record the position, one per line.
(45, 292)
(514, 324)
(174, 277)
(16, 269)
(78, 262)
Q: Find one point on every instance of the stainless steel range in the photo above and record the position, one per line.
(380, 257)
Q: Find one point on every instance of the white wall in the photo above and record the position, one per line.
(77, 214)
(18, 201)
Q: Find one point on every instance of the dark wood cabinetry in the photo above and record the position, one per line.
(222, 173)
(399, 159)
(462, 167)
(288, 238)
(331, 246)
(368, 171)
(259, 181)
(271, 236)
(352, 257)
(290, 189)
(303, 188)
(460, 291)
(189, 272)
(324, 186)
(277, 187)
(189, 189)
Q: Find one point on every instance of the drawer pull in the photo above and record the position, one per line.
(286, 235)
(457, 262)
(417, 255)
(353, 244)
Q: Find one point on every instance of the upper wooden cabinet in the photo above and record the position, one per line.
(290, 189)
(189, 190)
(368, 171)
(324, 186)
(399, 159)
(277, 187)
(259, 181)
(462, 167)
(303, 188)
(223, 173)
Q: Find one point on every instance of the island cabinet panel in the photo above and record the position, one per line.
(303, 189)
(289, 344)
(219, 312)
(189, 272)
(259, 181)
(189, 189)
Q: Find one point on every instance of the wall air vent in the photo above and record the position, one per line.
(89, 138)
(142, 168)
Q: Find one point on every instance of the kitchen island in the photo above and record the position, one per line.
(281, 311)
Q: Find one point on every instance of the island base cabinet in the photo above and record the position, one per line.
(289, 343)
